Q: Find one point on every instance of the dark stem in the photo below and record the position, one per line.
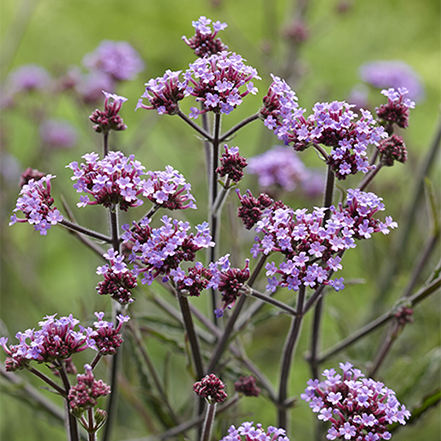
(71, 421)
(287, 358)
(237, 127)
(315, 337)
(91, 432)
(193, 125)
(191, 334)
(50, 382)
(95, 360)
(79, 229)
(208, 422)
(420, 295)
(384, 350)
(283, 306)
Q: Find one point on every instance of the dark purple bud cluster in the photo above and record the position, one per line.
(109, 119)
(396, 111)
(28, 174)
(194, 281)
(247, 386)
(85, 393)
(118, 279)
(210, 388)
(204, 42)
(232, 164)
(392, 149)
(404, 315)
(251, 208)
(160, 250)
(357, 408)
(107, 338)
(35, 202)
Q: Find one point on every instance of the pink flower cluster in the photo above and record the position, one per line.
(247, 432)
(211, 388)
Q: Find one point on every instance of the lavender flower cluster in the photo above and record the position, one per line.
(358, 408)
(35, 202)
(57, 340)
(332, 125)
(310, 245)
(251, 433)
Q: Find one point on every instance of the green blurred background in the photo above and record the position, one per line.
(44, 275)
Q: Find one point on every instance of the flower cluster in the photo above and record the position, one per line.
(310, 245)
(35, 202)
(229, 281)
(210, 388)
(204, 42)
(392, 73)
(113, 180)
(117, 59)
(392, 149)
(196, 280)
(106, 338)
(109, 119)
(56, 340)
(332, 125)
(358, 408)
(247, 386)
(85, 393)
(396, 111)
(27, 78)
(118, 279)
(168, 189)
(164, 93)
(220, 81)
(251, 208)
(56, 133)
(251, 433)
(28, 174)
(162, 249)
(281, 166)
(232, 164)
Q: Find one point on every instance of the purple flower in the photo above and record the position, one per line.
(360, 407)
(90, 86)
(392, 149)
(58, 134)
(247, 432)
(109, 119)
(35, 202)
(204, 42)
(392, 73)
(27, 78)
(232, 164)
(107, 338)
(247, 386)
(115, 58)
(396, 111)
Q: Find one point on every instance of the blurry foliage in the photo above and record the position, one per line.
(44, 275)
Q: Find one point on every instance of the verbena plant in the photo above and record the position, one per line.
(297, 249)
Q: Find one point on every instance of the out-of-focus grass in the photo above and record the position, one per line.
(44, 275)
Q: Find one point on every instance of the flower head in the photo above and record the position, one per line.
(357, 407)
(392, 149)
(232, 164)
(109, 119)
(27, 78)
(58, 134)
(85, 393)
(247, 432)
(35, 202)
(251, 208)
(247, 386)
(210, 388)
(396, 111)
(117, 59)
(204, 42)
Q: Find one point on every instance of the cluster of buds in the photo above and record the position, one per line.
(358, 408)
(392, 149)
(109, 119)
(194, 281)
(396, 111)
(210, 388)
(35, 202)
(232, 164)
(85, 393)
(118, 279)
(204, 42)
(251, 209)
(247, 386)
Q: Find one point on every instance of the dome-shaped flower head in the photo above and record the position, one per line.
(111, 181)
(247, 432)
(193, 281)
(204, 42)
(56, 340)
(392, 73)
(164, 93)
(392, 149)
(247, 386)
(210, 388)
(251, 208)
(232, 164)
(220, 81)
(35, 202)
(357, 407)
(85, 393)
(115, 58)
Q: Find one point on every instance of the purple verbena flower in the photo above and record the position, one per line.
(251, 208)
(115, 58)
(211, 388)
(27, 78)
(106, 337)
(358, 408)
(392, 149)
(204, 42)
(232, 164)
(90, 86)
(109, 118)
(57, 134)
(35, 202)
(247, 386)
(247, 432)
(396, 111)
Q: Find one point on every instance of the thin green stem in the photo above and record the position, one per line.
(287, 358)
